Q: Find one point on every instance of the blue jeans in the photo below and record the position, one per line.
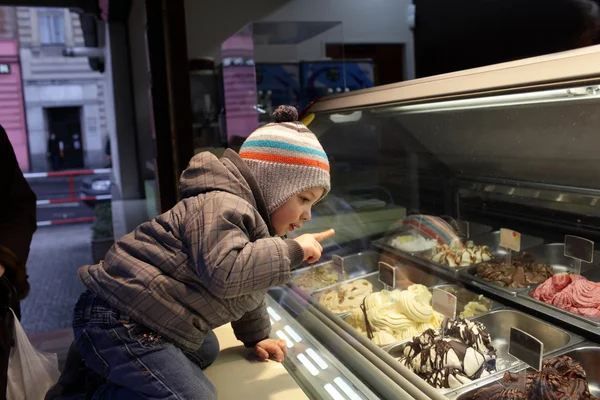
(136, 362)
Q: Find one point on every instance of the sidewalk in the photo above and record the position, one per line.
(57, 252)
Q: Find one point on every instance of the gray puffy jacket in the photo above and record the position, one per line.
(206, 262)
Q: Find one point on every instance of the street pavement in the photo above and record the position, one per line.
(57, 188)
(57, 252)
(52, 212)
(53, 187)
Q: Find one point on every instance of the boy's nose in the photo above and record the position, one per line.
(306, 216)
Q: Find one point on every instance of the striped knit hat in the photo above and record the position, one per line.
(286, 158)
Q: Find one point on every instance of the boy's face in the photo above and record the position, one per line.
(295, 211)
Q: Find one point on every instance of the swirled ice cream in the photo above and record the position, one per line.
(415, 302)
(390, 315)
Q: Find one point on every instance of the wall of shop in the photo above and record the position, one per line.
(382, 21)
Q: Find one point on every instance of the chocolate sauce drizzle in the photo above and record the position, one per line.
(433, 350)
(363, 307)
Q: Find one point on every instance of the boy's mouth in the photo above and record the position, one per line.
(293, 226)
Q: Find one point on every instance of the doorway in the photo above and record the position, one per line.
(65, 124)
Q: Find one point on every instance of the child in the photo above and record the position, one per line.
(145, 323)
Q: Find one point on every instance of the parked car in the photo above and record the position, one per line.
(95, 185)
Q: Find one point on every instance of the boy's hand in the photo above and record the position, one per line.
(311, 246)
(270, 347)
(1, 270)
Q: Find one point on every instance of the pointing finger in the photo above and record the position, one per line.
(319, 237)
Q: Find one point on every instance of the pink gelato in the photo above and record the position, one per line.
(573, 293)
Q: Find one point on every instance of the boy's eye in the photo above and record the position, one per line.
(304, 199)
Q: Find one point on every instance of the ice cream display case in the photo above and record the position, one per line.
(480, 278)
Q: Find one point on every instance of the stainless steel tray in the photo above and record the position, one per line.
(464, 296)
(395, 350)
(358, 264)
(354, 266)
(589, 357)
(495, 251)
(551, 254)
(591, 273)
(591, 320)
(406, 275)
(587, 354)
(490, 239)
(498, 324)
(373, 278)
(482, 236)
(554, 254)
(426, 255)
(296, 274)
(469, 274)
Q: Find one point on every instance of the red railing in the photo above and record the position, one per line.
(73, 197)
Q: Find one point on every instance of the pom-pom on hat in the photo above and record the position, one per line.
(286, 158)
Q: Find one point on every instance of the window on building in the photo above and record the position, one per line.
(7, 30)
(52, 25)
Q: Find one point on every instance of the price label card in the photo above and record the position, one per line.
(387, 274)
(444, 303)
(526, 348)
(338, 264)
(462, 228)
(510, 240)
(579, 248)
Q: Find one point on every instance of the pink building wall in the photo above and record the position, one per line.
(12, 108)
(239, 84)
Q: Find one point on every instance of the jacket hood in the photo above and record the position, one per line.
(206, 173)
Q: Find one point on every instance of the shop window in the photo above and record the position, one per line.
(52, 26)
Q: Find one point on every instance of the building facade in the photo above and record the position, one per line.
(64, 98)
(12, 116)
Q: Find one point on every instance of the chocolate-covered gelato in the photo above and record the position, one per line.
(464, 354)
(522, 272)
(561, 378)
